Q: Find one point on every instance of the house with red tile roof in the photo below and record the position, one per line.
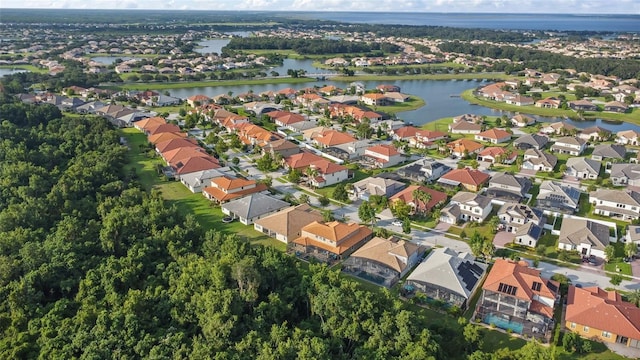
(226, 188)
(494, 136)
(285, 118)
(497, 155)
(331, 137)
(464, 147)
(388, 88)
(300, 161)
(197, 100)
(469, 179)
(195, 164)
(383, 156)
(516, 297)
(330, 241)
(162, 137)
(374, 99)
(326, 172)
(550, 103)
(173, 157)
(177, 143)
(147, 123)
(163, 128)
(426, 139)
(418, 205)
(598, 314)
(404, 133)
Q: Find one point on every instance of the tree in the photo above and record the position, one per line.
(294, 176)
(340, 193)
(235, 161)
(304, 198)
(400, 209)
(406, 225)
(494, 222)
(634, 297)
(364, 129)
(421, 198)
(616, 279)
(323, 200)
(610, 252)
(367, 213)
(630, 249)
(327, 216)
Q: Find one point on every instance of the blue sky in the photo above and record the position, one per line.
(480, 6)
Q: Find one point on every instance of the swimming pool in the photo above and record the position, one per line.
(503, 323)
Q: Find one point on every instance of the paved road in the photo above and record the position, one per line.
(586, 277)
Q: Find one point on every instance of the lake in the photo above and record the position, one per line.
(5, 71)
(211, 46)
(109, 60)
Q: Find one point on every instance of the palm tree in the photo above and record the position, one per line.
(311, 173)
(420, 195)
(634, 297)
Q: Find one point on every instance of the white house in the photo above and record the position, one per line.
(466, 206)
(618, 204)
(383, 156)
(569, 145)
(583, 168)
(584, 236)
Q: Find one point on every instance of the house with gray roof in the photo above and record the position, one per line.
(515, 215)
(507, 187)
(531, 141)
(584, 236)
(571, 145)
(448, 276)
(196, 181)
(539, 160)
(558, 197)
(364, 188)
(610, 152)
(617, 204)
(625, 174)
(632, 235)
(528, 234)
(253, 207)
(466, 206)
(583, 168)
(424, 170)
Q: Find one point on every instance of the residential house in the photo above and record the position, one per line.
(426, 139)
(556, 196)
(466, 206)
(517, 298)
(628, 137)
(424, 170)
(521, 120)
(531, 141)
(538, 160)
(164, 128)
(632, 235)
(518, 100)
(582, 105)
(584, 236)
(385, 88)
(448, 276)
(583, 168)
(494, 136)
(602, 315)
(375, 99)
(528, 234)
(404, 133)
(464, 127)
(250, 208)
(497, 155)
(384, 261)
(464, 147)
(549, 103)
(172, 144)
(383, 156)
(569, 145)
(469, 179)
(397, 97)
(300, 161)
(330, 241)
(327, 173)
(282, 147)
(625, 174)
(408, 196)
(194, 164)
(331, 137)
(349, 151)
(378, 186)
(286, 225)
(162, 137)
(515, 215)
(197, 100)
(148, 123)
(559, 128)
(594, 133)
(507, 187)
(226, 188)
(197, 181)
(618, 204)
(616, 106)
(612, 152)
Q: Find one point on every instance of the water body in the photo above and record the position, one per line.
(5, 71)
(211, 46)
(560, 22)
(441, 97)
(109, 60)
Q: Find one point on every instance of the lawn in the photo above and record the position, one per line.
(175, 193)
(625, 269)
(413, 103)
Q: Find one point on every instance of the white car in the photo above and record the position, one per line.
(396, 223)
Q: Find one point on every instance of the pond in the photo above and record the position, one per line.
(109, 60)
(5, 71)
(211, 46)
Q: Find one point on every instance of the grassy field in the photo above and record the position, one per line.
(413, 103)
(30, 68)
(176, 194)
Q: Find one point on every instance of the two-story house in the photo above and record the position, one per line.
(466, 206)
(411, 197)
(558, 197)
(628, 137)
(617, 204)
(464, 147)
(330, 241)
(426, 139)
(424, 170)
(507, 187)
(514, 215)
(469, 179)
(383, 156)
(226, 188)
(517, 298)
(539, 160)
(569, 145)
(379, 186)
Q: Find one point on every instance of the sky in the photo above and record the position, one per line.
(631, 7)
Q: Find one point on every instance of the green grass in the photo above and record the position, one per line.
(625, 269)
(176, 194)
(413, 103)
(30, 68)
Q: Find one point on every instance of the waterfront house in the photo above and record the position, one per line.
(531, 141)
(628, 137)
(464, 147)
(494, 136)
(521, 120)
(571, 145)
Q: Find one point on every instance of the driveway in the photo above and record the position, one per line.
(635, 267)
(503, 238)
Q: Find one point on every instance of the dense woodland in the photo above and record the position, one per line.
(93, 267)
(309, 46)
(546, 61)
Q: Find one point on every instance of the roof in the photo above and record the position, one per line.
(196, 164)
(302, 160)
(280, 145)
(467, 176)
(230, 183)
(461, 145)
(162, 128)
(290, 222)
(333, 137)
(470, 199)
(344, 236)
(570, 140)
(581, 164)
(222, 196)
(603, 310)
(179, 154)
(496, 134)
(532, 139)
(254, 205)
(466, 126)
(406, 131)
(158, 138)
(537, 157)
(377, 185)
(517, 279)
(175, 143)
(629, 197)
(503, 178)
(444, 267)
(611, 151)
(581, 231)
(386, 150)
(390, 253)
(150, 122)
(406, 195)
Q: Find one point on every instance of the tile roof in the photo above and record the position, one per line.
(461, 145)
(196, 164)
(158, 138)
(387, 252)
(496, 134)
(344, 236)
(467, 176)
(162, 128)
(386, 150)
(172, 157)
(150, 122)
(406, 131)
(333, 137)
(406, 195)
(603, 310)
(177, 143)
(290, 222)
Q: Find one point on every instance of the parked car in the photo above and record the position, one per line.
(396, 223)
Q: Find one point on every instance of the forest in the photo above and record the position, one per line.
(94, 267)
(546, 61)
(309, 46)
